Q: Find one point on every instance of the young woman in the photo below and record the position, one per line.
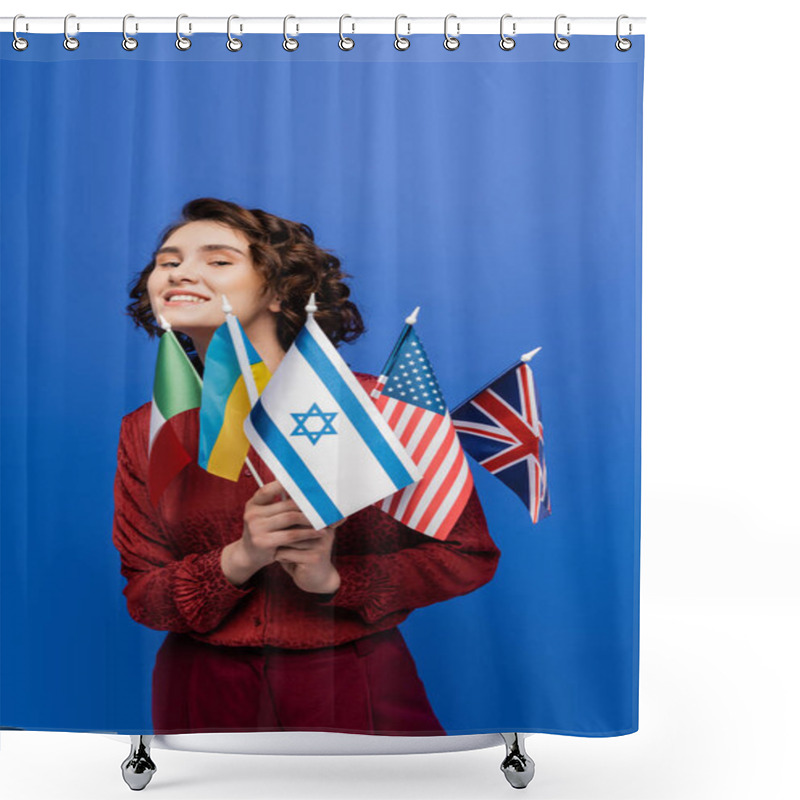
(272, 625)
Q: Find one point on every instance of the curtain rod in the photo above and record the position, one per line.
(351, 24)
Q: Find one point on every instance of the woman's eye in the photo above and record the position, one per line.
(221, 262)
(169, 264)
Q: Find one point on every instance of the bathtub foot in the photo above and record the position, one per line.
(138, 768)
(517, 766)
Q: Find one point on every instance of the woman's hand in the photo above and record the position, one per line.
(309, 563)
(276, 527)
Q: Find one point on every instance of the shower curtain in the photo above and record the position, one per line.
(497, 191)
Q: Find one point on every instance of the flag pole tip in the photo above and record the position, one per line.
(526, 357)
(312, 303)
(226, 306)
(412, 318)
(165, 325)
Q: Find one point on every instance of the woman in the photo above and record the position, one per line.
(273, 625)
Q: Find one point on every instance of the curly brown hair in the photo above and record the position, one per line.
(289, 260)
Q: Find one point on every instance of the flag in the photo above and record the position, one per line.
(225, 401)
(500, 426)
(319, 432)
(176, 388)
(410, 400)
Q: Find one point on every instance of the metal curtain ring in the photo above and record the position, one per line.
(507, 42)
(451, 42)
(233, 44)
(18, 43)
(400, 42)
(289, 44)
(560, 43)
(70, 42)
(623, 45)
(345, 43)
(181, 42)
(128, 43)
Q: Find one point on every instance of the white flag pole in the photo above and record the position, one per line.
(526, 357)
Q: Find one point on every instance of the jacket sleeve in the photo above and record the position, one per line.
(421, 572)
(165, 591)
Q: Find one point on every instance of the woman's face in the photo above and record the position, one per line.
(194, 267)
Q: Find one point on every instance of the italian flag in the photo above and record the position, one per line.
(177, 388)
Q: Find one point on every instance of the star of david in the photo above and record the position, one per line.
(326, 418)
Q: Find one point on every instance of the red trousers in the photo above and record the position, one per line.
(367, 686)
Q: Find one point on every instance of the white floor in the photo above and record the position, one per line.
(719, 699)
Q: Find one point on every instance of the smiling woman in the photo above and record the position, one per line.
(266, 265)
(272, 625)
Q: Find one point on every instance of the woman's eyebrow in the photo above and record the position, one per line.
(204, 248)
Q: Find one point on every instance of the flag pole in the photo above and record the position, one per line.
(524, 359)
(410, 321)
(247, 373)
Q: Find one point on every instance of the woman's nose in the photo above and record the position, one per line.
(184, 271)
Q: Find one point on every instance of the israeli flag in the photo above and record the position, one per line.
(323, 437)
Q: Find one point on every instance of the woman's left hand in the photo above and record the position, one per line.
(309, 562)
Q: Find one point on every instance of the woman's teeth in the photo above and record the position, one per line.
(186, 298)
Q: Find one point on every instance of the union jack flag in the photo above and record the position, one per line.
(408, 396)
(500, 426)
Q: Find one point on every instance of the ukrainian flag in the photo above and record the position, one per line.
(225, 401)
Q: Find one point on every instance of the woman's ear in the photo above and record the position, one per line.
(273, 303)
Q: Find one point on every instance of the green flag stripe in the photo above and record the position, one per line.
(177, 386)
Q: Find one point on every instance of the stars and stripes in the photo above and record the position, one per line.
(500, 426)
(409, 398)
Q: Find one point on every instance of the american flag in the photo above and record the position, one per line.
(500, 426)
(409, 398)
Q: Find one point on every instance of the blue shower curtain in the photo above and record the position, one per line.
(498, 191)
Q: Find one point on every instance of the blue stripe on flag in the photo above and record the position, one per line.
(350, 405)
(294, 465)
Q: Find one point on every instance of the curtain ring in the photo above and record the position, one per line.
(623, 45)
(400, 42)
(290, 44)
(345, 43)
(451, 42)
(507, 42)
(70, 42)
(233, 44)
(18, 43)
(560, 43)
(128, 42)
(182, 43)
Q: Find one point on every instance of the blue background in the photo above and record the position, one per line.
(500, 191)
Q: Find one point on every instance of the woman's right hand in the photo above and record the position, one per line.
(269, 523)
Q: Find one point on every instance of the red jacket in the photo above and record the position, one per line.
(171, 558)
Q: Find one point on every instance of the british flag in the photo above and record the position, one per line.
(500, 426)
(408, 396)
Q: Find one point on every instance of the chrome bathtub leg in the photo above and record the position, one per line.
(138, 768)
(517, 766)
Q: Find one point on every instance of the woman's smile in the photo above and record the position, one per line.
(182, 297)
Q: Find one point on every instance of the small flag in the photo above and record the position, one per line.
(318, 431)
(410, 400)
(500, 426)
(226, 402)
(176, 388)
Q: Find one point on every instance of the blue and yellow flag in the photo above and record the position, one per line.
(225, 402)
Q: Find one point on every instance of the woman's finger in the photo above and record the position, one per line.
(285, 521)
(268, 493)
(290, 537)
(290, 555)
